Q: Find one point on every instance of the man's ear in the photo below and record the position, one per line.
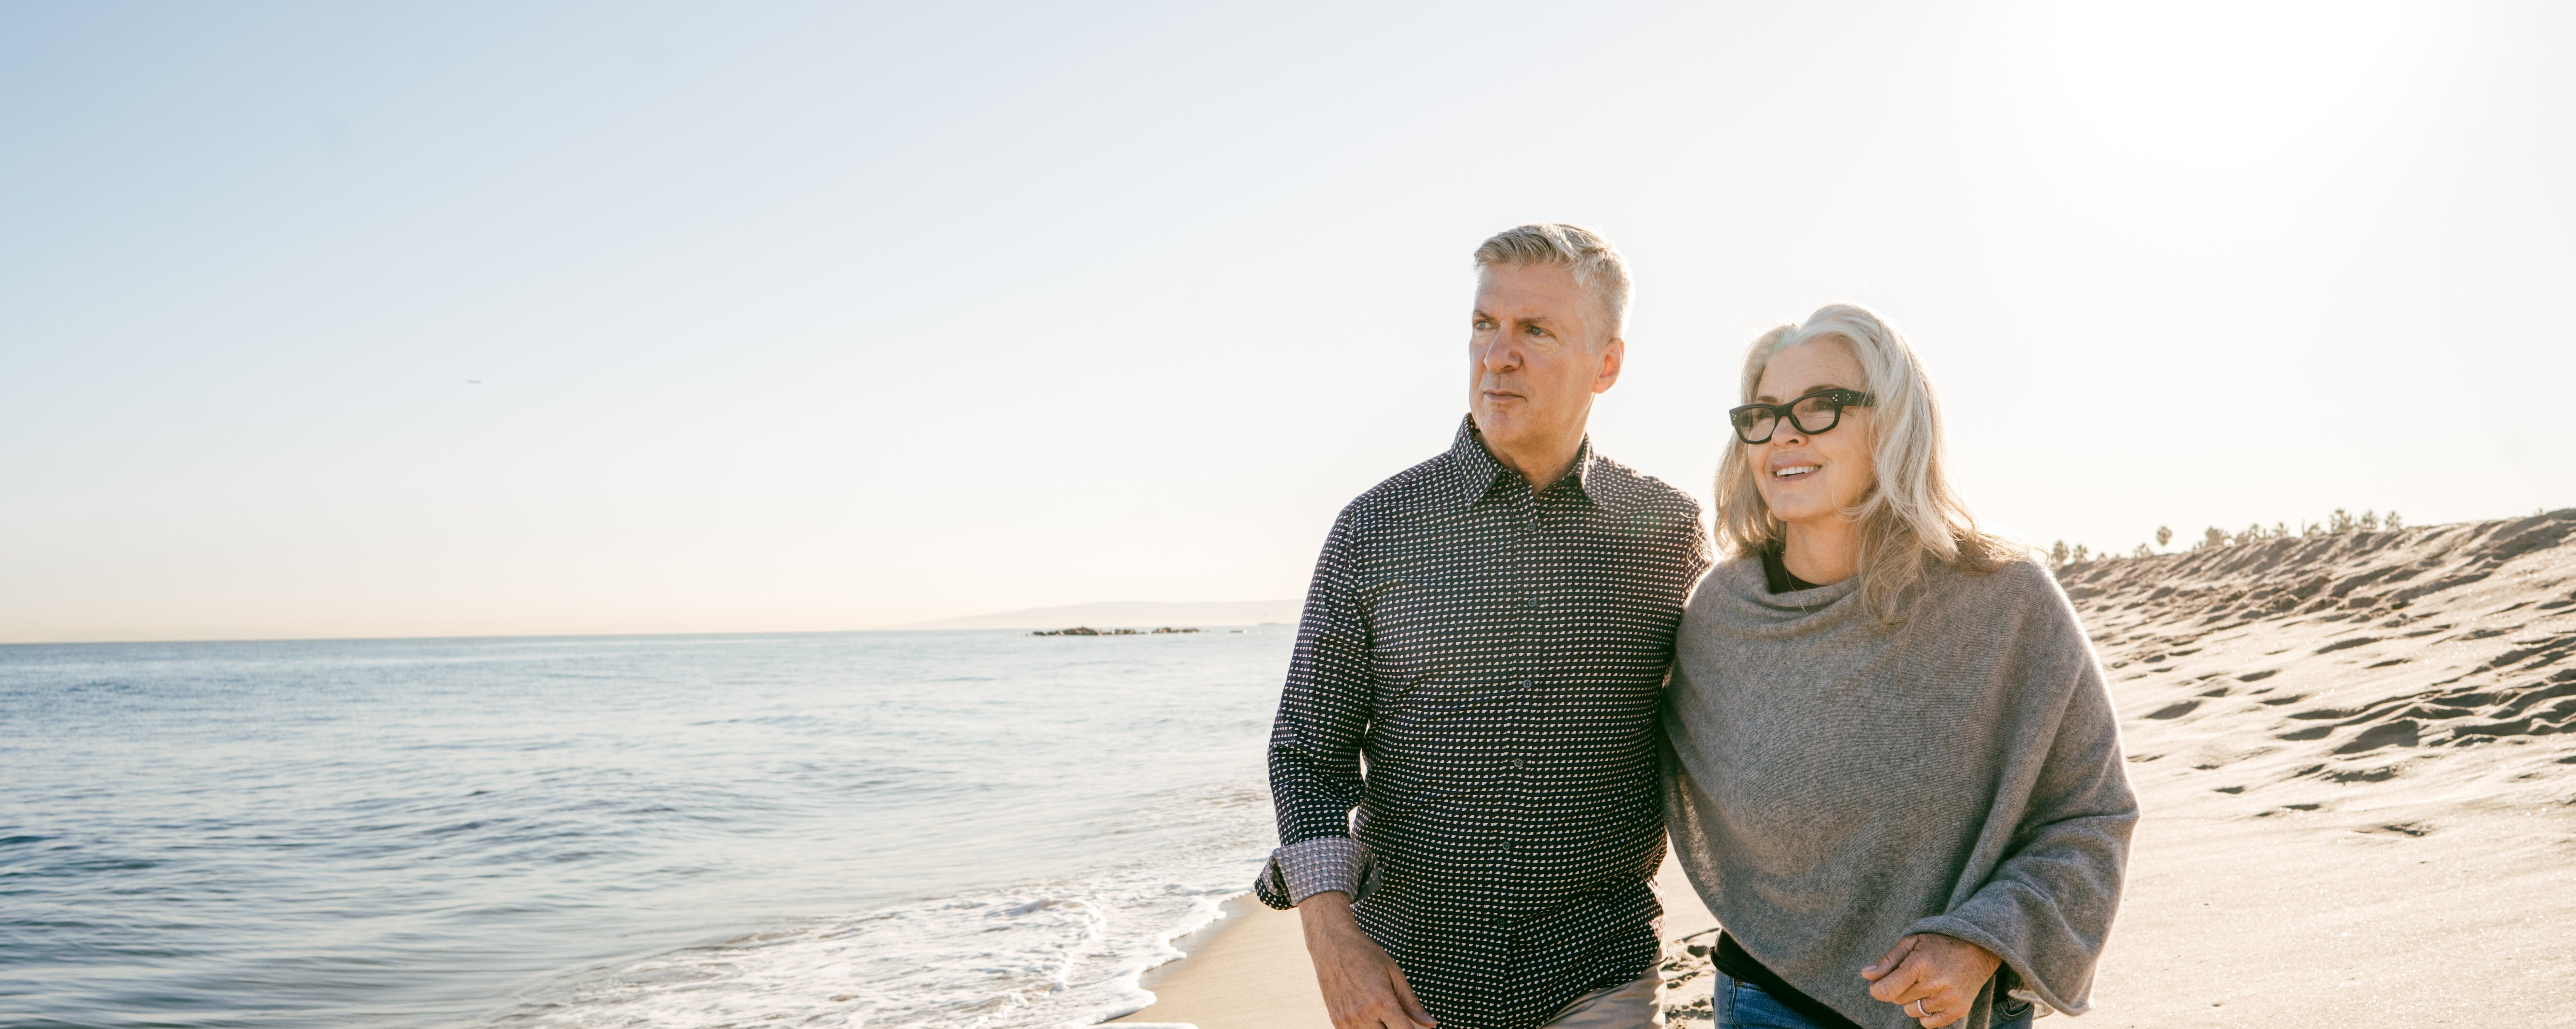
(1613, 355)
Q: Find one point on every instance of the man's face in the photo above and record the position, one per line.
(1535, 357)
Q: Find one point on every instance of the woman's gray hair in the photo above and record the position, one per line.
(1911, 515)
(1596, 265)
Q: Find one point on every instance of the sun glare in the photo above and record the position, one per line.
(2218, 91)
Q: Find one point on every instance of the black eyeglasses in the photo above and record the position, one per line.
(1813, 414)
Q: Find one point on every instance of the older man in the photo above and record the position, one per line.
(1488, 631)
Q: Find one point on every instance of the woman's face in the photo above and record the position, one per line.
(1807, 478)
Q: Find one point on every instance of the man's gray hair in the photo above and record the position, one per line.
(1596, 265)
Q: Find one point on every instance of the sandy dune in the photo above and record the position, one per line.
(2349, 659)
(2357, 754)
(2360, 787)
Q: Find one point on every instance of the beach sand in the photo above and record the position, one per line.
(2357, 757)
(1249, 967)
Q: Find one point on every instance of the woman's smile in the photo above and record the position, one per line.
(1809, 479)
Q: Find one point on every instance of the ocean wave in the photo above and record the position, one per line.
(1031, 958)
(861, 829)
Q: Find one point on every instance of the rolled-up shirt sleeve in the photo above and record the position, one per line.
(1322, 865)
(1315, 741)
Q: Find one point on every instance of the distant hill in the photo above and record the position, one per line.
(1139, 614)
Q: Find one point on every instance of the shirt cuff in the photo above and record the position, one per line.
(1323, 865)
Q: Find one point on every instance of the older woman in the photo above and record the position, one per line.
(1894, 772)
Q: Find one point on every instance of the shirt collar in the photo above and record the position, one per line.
(1478, 473)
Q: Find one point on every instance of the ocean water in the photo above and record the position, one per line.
(953, 829)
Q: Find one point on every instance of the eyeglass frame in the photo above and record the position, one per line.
(1787, 412)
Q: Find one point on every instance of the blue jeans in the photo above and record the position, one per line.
(1741, 1005)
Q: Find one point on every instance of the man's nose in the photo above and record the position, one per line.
(1497, 355)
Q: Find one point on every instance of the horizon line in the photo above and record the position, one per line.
(554, 635)
(930, 625)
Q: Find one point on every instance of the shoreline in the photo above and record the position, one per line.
(1248, 968)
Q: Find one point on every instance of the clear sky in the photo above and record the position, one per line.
(345, 320)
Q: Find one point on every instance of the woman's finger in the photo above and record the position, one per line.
(1886, 962)
(1912, 979)
(1942, 1003)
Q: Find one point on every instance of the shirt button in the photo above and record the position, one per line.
(1526, 684)
(1520, 762)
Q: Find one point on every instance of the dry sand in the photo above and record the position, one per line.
(2357, 754)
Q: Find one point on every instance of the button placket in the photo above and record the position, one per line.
(1528, 646)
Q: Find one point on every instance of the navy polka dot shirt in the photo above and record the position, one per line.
(1466, 743)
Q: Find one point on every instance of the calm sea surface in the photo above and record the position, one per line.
(950, 829)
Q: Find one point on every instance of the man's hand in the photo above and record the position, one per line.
(1362, 987)
(1934, 977)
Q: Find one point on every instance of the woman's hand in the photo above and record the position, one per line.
(1934, 977)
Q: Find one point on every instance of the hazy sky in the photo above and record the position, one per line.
(820, 317)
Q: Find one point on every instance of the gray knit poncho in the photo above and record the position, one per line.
(1834, 784)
